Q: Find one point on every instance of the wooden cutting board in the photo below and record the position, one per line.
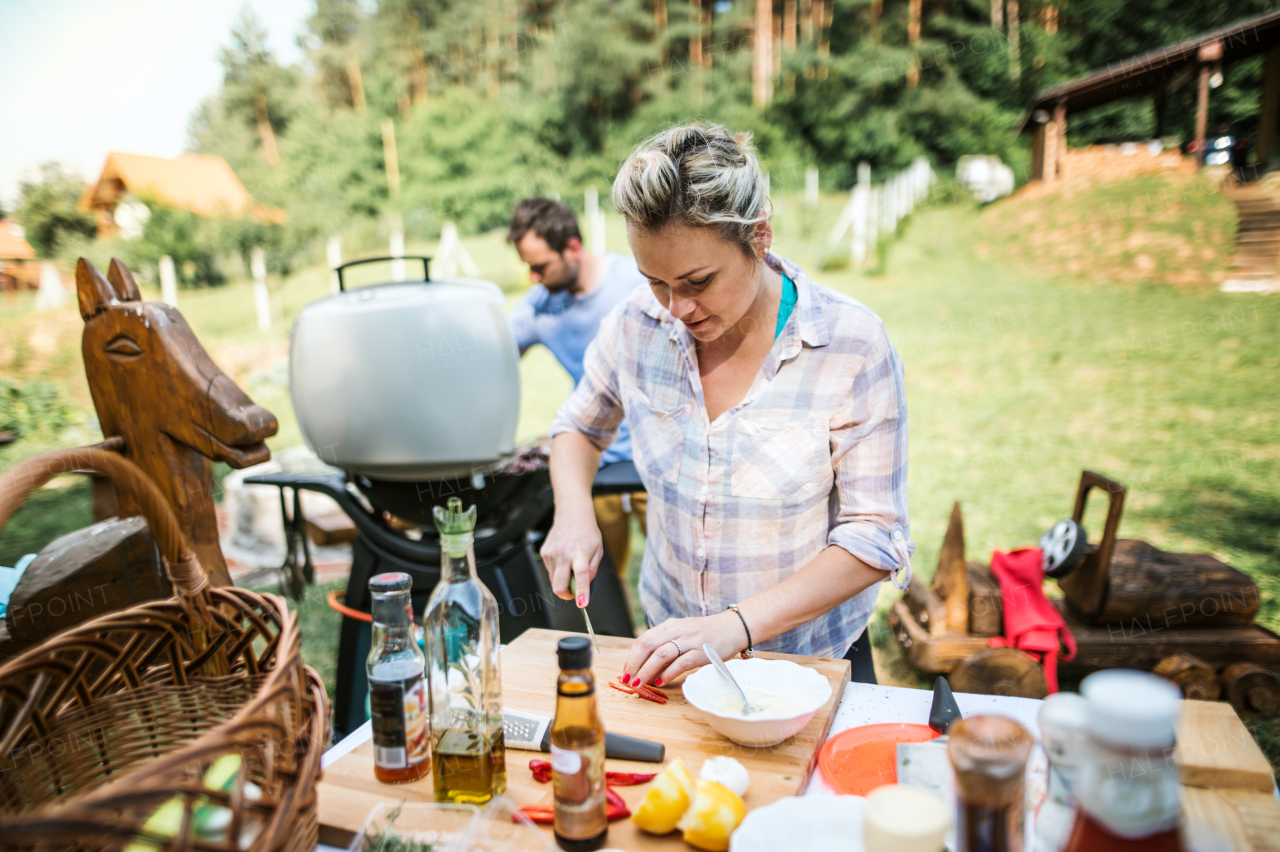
(348, 790)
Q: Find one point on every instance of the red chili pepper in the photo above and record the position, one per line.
(622, 688)
(616, 807)
(652, 694)
(627, 779)
(539, 814)
(542, 773)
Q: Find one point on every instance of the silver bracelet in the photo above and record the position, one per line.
(750, 652)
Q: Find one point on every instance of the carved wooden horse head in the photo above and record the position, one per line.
(156, 387)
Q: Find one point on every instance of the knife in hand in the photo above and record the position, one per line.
(531, 732)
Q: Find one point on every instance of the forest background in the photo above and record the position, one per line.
(488, 101)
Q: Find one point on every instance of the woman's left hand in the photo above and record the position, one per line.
(654, 658)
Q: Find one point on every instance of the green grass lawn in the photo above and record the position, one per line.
(1022, 369)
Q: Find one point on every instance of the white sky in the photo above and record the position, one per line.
(83, 77)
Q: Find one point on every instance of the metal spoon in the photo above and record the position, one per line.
(747, 706)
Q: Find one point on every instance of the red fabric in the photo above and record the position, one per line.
(1031, 622)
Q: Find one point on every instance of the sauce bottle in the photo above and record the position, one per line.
(1128, 788)
(1064, 735)
(989, 755)
(469, 762)
(397, 694)
(577, 752)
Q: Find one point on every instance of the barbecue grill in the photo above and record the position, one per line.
(412, 390)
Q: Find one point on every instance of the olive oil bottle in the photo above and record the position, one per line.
(468, 763)
(577, 752)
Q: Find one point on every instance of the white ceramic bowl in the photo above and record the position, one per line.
(773, 677)
(811, 823)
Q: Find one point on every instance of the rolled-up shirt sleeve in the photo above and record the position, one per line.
(594, 409)
(869, 461)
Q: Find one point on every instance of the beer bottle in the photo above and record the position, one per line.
(577, 752)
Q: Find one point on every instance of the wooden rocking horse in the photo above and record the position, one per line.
(155, 387)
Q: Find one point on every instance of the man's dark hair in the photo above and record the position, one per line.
(553, 221)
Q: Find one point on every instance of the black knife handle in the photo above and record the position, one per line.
(621, 747)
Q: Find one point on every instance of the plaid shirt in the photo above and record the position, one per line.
(814, 455)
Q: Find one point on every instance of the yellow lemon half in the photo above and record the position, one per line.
(666, 800)
(715, 813)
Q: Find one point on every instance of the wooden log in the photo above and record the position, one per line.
(951, 580)
(933, 654)
(986, 609)
(1000, 671)
(1251, 689)
(1193, 676)
(1174, 590)
(84, 574)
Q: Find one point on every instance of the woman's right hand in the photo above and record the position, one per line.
(573, 548)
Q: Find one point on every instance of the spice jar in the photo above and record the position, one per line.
(989, 756)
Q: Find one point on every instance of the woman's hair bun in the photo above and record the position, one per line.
(696, 174)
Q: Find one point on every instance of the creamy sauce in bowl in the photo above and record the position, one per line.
(729, 703)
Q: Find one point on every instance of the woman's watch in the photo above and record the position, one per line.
(750, 652)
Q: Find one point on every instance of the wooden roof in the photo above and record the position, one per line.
(13, 243)
(1149, 73)
(201, 183)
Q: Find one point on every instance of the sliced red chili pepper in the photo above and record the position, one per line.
(617, 806)
(627, 779)
(652, 694)
(538, 814)
(622, 688)
(542, 773)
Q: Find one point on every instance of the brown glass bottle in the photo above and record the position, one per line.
(397, 691)
(577, 752)
(989, 755)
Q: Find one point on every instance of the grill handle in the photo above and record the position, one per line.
(426, 269)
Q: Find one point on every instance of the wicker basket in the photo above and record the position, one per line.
(107, 730)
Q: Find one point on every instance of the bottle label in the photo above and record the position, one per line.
(565, 761)
(579, 794)
(401, 730)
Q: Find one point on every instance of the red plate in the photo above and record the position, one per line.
(861, 759)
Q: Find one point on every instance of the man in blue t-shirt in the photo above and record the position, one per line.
(573, 290)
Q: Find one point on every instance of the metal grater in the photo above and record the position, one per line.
(524, 730)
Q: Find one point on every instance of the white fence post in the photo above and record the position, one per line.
(861, 207)
(334, 251)
(168, 282)
(51, 294)
(811, 186)
(397, 250)
(258, 263)
(452, 256)
(873, 217)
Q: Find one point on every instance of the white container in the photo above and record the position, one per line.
(407, 382)
(905, 819)
(773, 677)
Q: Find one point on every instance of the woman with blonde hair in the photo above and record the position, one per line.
(768, 419)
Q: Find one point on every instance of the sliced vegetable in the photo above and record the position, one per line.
(542, 773)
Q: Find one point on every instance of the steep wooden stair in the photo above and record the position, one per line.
(1255, 267)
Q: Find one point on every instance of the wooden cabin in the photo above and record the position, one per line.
(18, 267)
(201, 183)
